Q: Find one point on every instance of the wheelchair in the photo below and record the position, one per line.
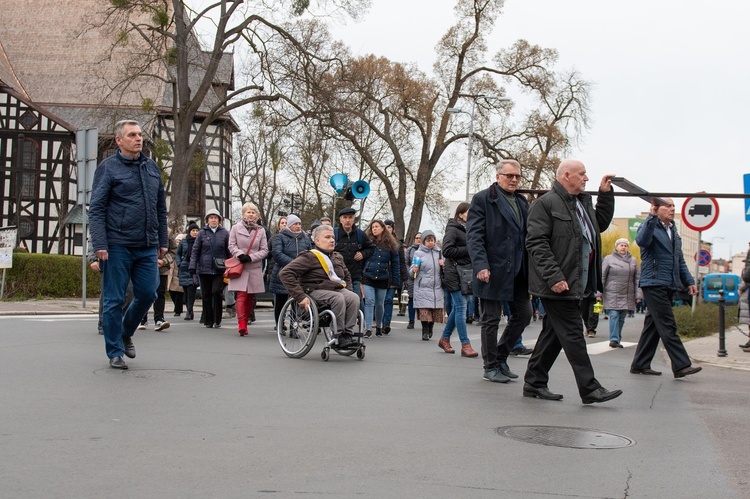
(298, 328)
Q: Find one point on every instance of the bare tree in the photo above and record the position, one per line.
(172, 53)
(396, 117)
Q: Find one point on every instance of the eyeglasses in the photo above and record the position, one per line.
(511, 176)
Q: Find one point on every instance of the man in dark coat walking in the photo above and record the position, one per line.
(566, 266)
(496, 238)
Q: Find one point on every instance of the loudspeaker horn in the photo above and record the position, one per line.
(339, 182)
(358, 190)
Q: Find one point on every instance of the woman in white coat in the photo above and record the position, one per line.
(247, 241)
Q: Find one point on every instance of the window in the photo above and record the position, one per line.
(713, 283)
(27, 181)
(28, 120)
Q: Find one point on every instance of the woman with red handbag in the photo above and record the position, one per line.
(247, 243)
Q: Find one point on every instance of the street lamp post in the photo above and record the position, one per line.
(458, 110)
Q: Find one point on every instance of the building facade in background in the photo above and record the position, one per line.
(58, 74)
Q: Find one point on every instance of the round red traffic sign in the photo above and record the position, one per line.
(704, 258)
(700, 214)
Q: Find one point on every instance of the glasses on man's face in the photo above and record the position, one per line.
(511, 176)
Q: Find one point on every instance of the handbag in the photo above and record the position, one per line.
(465, 277)
(219, 263)
(233, 266)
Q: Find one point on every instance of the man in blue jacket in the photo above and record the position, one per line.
(496, 238)
(128, 216)
(663, 271)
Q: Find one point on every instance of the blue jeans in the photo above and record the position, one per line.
(457, 317)
(616, 321)
(469, 306)
(374, 302)
(519, 343)
(127, 264)
(388, 305)
(357, 290)
(447, 301)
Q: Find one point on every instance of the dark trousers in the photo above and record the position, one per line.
(590, 318)
(178, 298)
(212, 289)
(278, 303)
(561, 329)
(189, 298)
(490, 312)
(659, 323)
(161, 293)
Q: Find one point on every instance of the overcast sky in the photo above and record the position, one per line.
(671, 96)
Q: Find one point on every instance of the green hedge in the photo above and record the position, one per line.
(705, 320)
(48, 276)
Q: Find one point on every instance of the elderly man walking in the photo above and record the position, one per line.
(496, 237)
(565, 253)
(662, 272)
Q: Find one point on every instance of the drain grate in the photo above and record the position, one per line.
(167, 373)
(562, 436)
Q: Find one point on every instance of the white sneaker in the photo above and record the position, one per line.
(141, 326)
(161, 325)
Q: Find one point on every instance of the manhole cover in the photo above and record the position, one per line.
(167, 373)
(560, 436)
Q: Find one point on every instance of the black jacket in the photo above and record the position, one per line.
(554, 241)
(456, 252)
(348, 244)
(496, 242)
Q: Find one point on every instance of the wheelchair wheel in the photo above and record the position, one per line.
(297, 328)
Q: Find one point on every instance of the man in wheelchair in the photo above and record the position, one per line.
(322, 274)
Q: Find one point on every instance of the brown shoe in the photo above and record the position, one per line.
(746, 350)
(445, 344)
(467, 351)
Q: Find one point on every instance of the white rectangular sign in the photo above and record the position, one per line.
(7, 243)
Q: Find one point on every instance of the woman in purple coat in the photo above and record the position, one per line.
(247, 241)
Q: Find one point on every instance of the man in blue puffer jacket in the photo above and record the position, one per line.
(663, 271)
(128, 217)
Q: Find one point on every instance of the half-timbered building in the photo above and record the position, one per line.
(60, 73)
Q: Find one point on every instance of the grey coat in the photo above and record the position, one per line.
(428, 291)
(620, 274)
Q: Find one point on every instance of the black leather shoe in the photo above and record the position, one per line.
(601, 394)
(687, 371)
(615, 344)
(505, 371)
(746, 345)
(540, 393)
(129, 347)
(521, 351)
(117, 363)
(647, 371)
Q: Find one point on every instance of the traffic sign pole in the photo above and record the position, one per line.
(698, 283)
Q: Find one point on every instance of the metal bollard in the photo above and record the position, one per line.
(722, 338)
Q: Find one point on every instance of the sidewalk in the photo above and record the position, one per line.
(50, 307)
(703, 350)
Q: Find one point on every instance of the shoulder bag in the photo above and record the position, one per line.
(464, 278)
(233, 265)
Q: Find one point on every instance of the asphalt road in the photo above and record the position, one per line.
(206, 413)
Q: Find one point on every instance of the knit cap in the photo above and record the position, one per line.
(292, 219)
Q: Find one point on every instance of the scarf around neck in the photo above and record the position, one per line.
(327, 265)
